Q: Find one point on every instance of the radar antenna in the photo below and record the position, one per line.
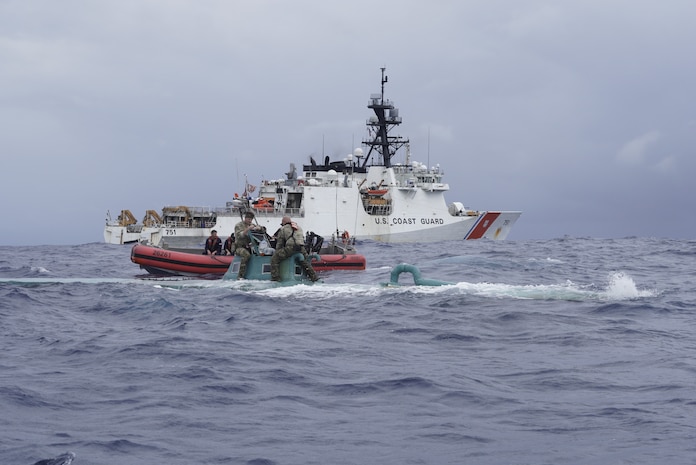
(380, 125)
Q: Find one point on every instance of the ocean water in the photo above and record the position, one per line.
(567, 351)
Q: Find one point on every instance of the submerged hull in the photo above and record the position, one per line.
(259, 268)
(167, 262)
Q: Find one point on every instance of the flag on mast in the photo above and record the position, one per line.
(248, 188)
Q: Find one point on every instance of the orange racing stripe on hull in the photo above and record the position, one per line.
(482, 225)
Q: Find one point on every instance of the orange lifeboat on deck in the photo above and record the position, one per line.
(264, 204)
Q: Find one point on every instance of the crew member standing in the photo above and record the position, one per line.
(242, 241)
(290, 241)
(213, 245)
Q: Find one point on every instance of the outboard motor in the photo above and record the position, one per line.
(313, 242)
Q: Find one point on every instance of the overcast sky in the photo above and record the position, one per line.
(580, 113)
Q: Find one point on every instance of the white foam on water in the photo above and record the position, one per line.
(620, 286)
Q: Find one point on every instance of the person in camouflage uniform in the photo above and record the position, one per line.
(290, 240)
(242, 242)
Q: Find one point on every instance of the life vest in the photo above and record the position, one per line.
(214, 244)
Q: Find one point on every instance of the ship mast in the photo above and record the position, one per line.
(380, 125)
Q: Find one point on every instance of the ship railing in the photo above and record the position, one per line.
(190, 224)
(296, 212)
(292, 212)
(434, 186)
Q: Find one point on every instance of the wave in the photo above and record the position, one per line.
(619, 286)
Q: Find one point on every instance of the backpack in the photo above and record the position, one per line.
(297, 238)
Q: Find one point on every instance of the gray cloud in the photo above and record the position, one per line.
(579, 113)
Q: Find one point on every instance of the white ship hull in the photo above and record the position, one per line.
(465, 228)
(115, 234)
(123, 230)
(329, 208)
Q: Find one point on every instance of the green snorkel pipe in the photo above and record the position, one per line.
(417, 278)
